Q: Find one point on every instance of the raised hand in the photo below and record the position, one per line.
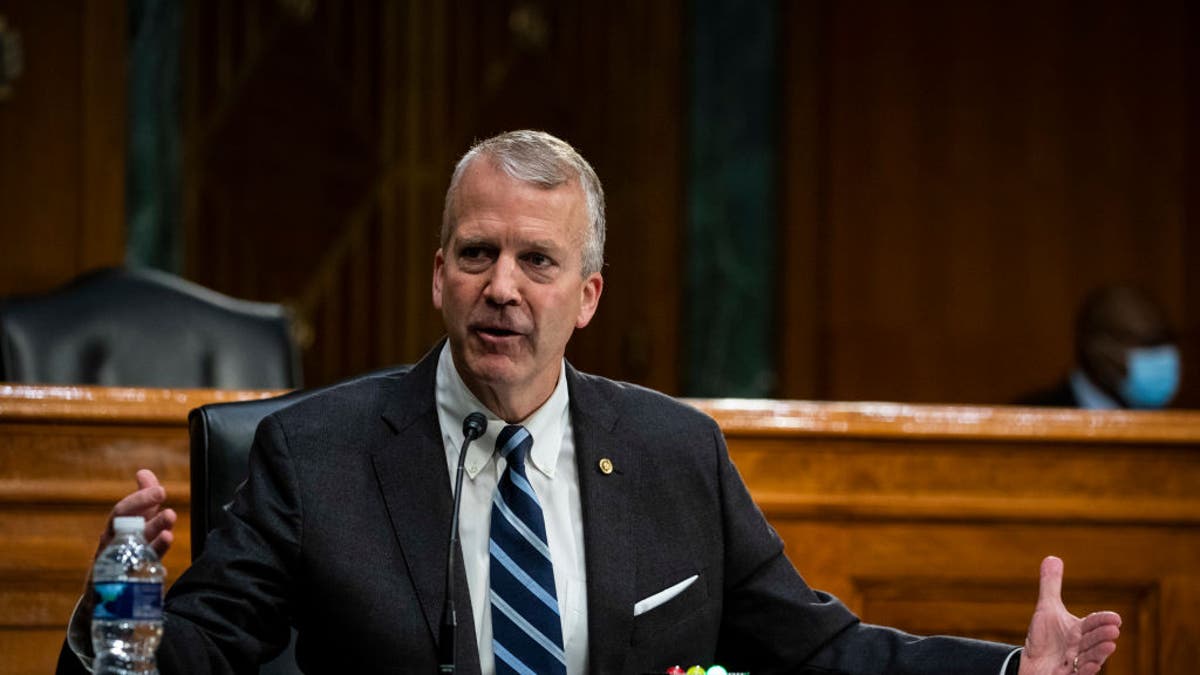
(1059, 643)
(146, 502)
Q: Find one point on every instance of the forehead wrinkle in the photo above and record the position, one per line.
(481, 202)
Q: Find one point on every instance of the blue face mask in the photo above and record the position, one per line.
(1152, 376)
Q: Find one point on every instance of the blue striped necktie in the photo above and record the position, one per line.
(526, 628)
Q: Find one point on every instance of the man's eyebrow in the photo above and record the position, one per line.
(472, 242)
(548, 245)
(477, 241)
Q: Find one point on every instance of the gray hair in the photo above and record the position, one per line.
(543, 160)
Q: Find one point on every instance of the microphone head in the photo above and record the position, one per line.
(474, 425)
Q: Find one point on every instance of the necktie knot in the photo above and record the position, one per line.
(514, 444)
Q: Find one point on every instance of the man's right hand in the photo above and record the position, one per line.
(147, 502)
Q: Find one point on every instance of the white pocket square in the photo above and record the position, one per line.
(643, 606)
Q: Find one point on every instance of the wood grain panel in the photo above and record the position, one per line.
(979, 167)
(318, 180)
(62, 135)
(1191, 324)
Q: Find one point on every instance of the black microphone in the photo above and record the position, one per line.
(473, 427)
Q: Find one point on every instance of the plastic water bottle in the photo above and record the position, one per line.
(127, 582)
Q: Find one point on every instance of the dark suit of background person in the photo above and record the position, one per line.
(1124, 352)
(341, 527)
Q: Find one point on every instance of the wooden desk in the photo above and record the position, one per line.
(67, 454)
(929, 518)
(934, 519)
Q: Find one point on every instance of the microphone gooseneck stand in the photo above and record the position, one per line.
(473, 427)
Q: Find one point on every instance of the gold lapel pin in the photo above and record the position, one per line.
(606, 466)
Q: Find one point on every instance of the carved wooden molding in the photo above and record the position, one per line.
(769, 417)
(124, 405)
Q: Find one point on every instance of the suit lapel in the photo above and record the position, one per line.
(607, 525)
(412, 476)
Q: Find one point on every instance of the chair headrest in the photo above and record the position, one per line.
(124, 327)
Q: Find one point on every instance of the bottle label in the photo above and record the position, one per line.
(127, 600)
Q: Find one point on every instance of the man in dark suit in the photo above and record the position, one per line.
(621, 540)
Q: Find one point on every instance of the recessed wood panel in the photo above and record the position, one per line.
(963, 174)
(998, 610)
(320, 147)
(62, 144)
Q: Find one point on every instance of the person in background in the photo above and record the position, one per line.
(1125, 352)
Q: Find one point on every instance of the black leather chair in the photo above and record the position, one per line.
(145, 328)
(221, 436)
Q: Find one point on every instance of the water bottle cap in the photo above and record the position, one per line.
(128, 524)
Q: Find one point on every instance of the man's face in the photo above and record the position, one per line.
(509, 282)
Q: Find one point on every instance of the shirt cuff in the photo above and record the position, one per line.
(1012, 664)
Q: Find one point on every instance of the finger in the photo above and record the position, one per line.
(1091, 661)
(1050, 586)
(164, 521)
(146, 478)
(1098, 636)
(144, 502)
(162, 542)
(1098, 619)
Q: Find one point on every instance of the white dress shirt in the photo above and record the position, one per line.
(1089, 395)
(555, 479)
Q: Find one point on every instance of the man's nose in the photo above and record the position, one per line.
(503, 287)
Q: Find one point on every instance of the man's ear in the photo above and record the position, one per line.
(439, 264)
(593, 286)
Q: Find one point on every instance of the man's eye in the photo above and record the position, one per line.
(473, 252)
(538, 260)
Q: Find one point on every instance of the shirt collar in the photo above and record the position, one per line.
(455, 401)
(1088, 394)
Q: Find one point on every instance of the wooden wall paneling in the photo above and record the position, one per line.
(804, 151)
(983, 172)
(389, 260)
(1190, 394)
(63, 139)
(627, 109)
(1179, 597)
(101, 234)
(342, 219)
(357, 271)
(424, 156)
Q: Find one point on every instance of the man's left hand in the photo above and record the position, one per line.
(1059, 643)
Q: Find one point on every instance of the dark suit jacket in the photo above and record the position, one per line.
(1061, 395)
(341, 530)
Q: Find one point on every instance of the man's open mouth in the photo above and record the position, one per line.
(496, 332)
